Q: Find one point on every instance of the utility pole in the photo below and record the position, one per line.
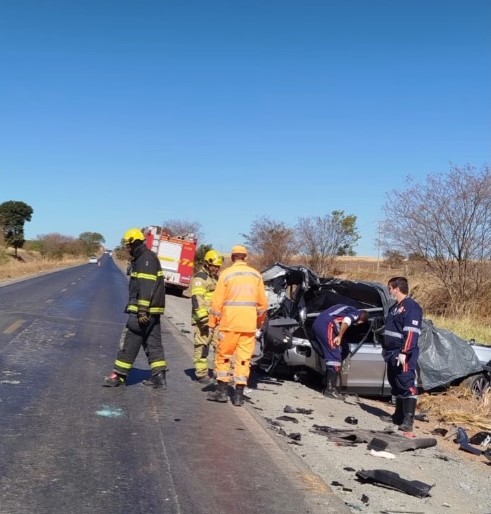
(378, 247)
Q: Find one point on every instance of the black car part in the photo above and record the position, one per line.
(394, 481)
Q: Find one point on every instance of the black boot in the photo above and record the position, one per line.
(114, 380)
(239, 396)
(220, 394)
(332, 390)
(397, 417)
(157, 381)
(409, 409)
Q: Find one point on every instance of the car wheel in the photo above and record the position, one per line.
(478, 384)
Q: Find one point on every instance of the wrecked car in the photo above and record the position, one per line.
(297, 296)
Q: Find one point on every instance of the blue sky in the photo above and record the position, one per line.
(129, 113)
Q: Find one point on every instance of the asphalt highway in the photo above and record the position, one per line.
(68, 445)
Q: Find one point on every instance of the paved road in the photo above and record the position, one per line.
(69, 445)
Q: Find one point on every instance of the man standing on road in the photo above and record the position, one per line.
(329, 329)
(401, 351)
(238, 308)
(145, 306)
(202, 287)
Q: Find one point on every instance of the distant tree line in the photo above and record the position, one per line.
(14, 214)
(441, 224)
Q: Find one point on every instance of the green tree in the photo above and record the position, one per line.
(200, 256)
(321, 239)
(13, 215)
(92, 241)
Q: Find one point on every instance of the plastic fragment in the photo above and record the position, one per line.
(394, 481)
(385, 455)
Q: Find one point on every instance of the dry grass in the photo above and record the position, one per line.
(474, 324)
(30, 263)
(458, 407)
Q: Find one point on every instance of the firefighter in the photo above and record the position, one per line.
(202, 287)
(401, 351)
(329, 329)
(238, 309)
(145, 307)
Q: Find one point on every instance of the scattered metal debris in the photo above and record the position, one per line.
(273, 422)
(351, 420)
(288, 418)
(378, 440)
(482, 438)
(463, 439)
(439, 431)
(297, 410)
(394, 481)
(296, 436)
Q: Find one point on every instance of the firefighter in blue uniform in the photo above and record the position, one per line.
(329, 329)
(401, 351)
(145, 307)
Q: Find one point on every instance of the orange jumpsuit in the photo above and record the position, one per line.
(238, 308)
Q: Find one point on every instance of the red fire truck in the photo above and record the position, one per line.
(176, 256)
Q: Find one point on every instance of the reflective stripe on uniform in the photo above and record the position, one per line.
(241, 304)
(158, 364)
(412, 329)
(122, 364)
(242, 274)
(393, 334)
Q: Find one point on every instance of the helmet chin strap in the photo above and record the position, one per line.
(134, 245)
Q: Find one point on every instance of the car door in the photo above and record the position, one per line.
(365, 373)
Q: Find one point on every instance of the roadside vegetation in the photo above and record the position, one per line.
(28, 263)
(437, 232)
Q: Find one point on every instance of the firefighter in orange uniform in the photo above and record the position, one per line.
(238, 310)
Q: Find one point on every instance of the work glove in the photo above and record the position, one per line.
(401, 359)
(143, 318)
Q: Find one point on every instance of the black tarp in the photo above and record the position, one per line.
(444, 357)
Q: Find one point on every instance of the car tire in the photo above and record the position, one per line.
(479, 384)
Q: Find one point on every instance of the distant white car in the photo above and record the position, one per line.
(93, 259)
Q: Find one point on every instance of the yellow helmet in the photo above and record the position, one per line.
(239, 249)
(133, 234)
(214, 258)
